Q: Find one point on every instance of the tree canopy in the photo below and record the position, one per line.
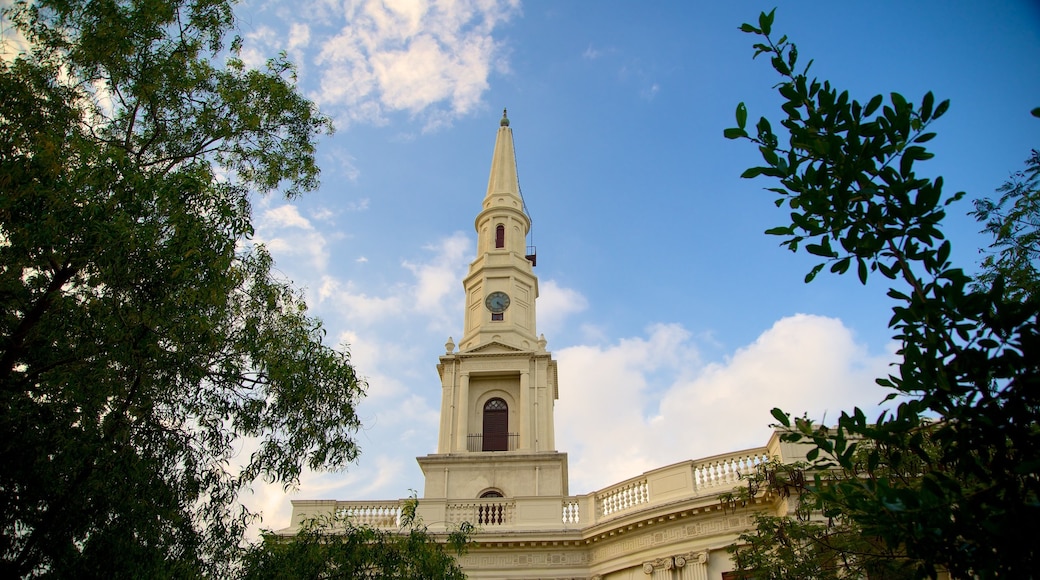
(951, 478)
(335, 547)
(1013, 220)
(143, 337)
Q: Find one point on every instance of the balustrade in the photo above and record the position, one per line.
(483, 513)
(703, 478)
(725, 471)
(622, 497)
(571, 511)
(373, 514)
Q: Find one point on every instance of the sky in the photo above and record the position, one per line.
(676, 322)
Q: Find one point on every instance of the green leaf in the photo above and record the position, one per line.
(841, 266)
(1035, 112)
(941, 109)
(748, 28)
(741, 115)
(780, 66)
(898, 102)
(823, 249)
(926, 106)
(752, 172)
(781, 417)
(873, 105)
(765, 21)
(812, 273)
(906, 163)
(734, 133)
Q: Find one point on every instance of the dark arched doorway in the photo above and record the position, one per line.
(496, 425)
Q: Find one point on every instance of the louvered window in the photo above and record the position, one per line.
(496, 425)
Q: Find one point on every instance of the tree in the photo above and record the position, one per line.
(142, 336)
(336, 547)
(951, 478)
(1015, 231)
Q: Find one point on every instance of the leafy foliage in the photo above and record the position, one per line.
(1014, 222)
(142, 338)
(335, 547)
(951, 478)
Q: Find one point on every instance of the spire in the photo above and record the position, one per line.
(503, 179)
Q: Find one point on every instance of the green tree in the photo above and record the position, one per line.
(142, 337)
(334, 547)
(951, 478)
(1014, 222)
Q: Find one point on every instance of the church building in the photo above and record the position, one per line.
(497, 465)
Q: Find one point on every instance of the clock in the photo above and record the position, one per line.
(497, 302)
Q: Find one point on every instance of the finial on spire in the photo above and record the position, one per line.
(505, 120)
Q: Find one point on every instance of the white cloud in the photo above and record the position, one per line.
(555, 304)
(430, 57)
(433, 295)
(299, 36)
(648, 402)
(437, 291)
(342, 163)
(262, 43)
(291, 238)
(286, 216)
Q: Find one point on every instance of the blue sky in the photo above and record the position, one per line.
(676, 322)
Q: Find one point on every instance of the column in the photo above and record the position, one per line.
(659, 569)
(692, 565)
(463, 411)
(525, 411)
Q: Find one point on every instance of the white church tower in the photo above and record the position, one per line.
(496, 464)
(499, 388)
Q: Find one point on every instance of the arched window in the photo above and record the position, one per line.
(500, 236)
(491, 514)
(496, 425)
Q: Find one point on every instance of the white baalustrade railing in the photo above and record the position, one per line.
(679, 481)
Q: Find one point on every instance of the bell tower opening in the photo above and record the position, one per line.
(496, 426)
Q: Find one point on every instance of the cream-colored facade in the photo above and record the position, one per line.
(497, 465)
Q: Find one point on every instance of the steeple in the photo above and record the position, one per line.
(501, 287)
(503, 184)
(498, 390)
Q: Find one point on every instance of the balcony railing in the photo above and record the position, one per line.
(375, 514)
(482, 512)
(685, 480)
(504, 442)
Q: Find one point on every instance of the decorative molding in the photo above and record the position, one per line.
(658, 564)
(633, 542)
(508, 561)
(692, 558)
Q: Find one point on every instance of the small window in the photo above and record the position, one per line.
(497, 316)
(500, 236)
(492, 493)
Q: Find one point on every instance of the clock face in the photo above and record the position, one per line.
(497, 302)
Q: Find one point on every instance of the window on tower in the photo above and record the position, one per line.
(497, 316)
(500, 236)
